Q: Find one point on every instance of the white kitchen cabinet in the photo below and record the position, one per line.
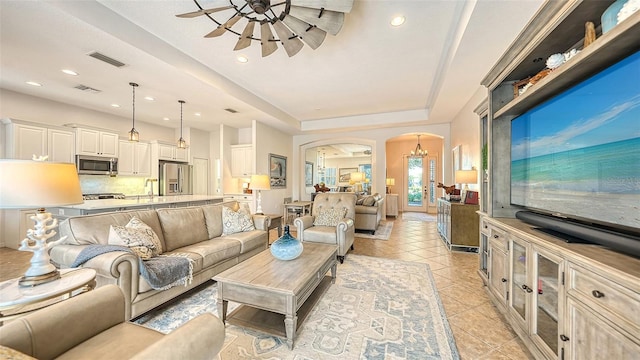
(241, 160)
(135, 158)
(61, 145)
(24, 139)
(96, 143)
(172, 153)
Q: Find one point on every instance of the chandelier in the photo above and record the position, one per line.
(418, 151)
(294, 21)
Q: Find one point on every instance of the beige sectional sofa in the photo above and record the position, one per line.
(369, 210)
(194, 232)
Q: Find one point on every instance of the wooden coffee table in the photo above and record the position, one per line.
(281, 287)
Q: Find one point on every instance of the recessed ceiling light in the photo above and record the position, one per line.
(165, 118)
(397, 21)
(33, 83)
(242, 59)
(69, 72)
(149, 98)
(196, 114)
(115, 105)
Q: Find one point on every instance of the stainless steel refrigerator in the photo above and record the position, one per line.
(176, 178)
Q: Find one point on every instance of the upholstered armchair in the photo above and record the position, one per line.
(93, 326)
(331, 221)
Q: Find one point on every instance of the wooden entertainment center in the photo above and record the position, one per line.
(564, 300)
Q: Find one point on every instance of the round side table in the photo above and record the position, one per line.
(16, 301)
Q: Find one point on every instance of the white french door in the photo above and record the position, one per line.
(420, 174)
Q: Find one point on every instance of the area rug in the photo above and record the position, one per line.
(382, 233)
(377, 309)
(417, 216)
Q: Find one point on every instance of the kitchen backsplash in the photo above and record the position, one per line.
(128, 185)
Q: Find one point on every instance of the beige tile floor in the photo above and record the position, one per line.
(479, 330)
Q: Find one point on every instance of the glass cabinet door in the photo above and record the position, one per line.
(547, 308)
(519, 288)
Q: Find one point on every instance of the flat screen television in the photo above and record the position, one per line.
(575, 158)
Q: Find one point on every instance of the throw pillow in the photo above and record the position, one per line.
(140, 239)
(369, 201)
(136, 223)
(329, 217)
(360, 200)
(236, 221)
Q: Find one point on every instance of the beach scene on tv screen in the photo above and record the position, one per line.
(578, 154)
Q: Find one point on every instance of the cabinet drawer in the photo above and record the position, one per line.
(605, 296)
(484, 226)
(498, 237)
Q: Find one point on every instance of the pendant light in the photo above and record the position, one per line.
(181, 143)
(133, 133)
(418, 150)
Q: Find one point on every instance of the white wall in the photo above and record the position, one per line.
(267, 141)
(465, 131)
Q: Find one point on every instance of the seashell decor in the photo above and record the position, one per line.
(628, 9)
(555, 60)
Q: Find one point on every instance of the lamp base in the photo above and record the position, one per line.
(29, 281)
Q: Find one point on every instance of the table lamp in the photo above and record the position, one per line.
(260, 182)
(38, 184)
(390, 183)
(466, 177)
(356, 179)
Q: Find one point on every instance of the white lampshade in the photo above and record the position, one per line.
(37, 184)
(391, 181)
(466, 176)
(260, 182)
(357, 177)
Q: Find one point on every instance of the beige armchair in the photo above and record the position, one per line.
(93, 326)
(322, 227)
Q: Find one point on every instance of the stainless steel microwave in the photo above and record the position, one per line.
(96, 165)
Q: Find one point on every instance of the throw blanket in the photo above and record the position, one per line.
(161, 272)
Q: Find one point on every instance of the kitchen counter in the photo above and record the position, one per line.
(143, 202)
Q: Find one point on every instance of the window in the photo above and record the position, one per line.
(328, 177)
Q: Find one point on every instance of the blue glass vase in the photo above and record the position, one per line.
(286, 247)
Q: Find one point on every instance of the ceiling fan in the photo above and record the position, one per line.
(294, 21)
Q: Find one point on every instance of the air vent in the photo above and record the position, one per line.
(105, 58)
(87, 89)
(231, 110)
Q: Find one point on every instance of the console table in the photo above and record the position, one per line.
(458, 225)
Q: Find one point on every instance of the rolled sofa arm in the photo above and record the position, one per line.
(261, 222)
(50, 332)
(117, 267)
(199, 338)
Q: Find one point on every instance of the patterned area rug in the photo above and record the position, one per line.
(382, 233)
(417, 216)
(377, 309)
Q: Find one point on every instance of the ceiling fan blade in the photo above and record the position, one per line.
(343, 6)
(268, 47)
(203, 12)
(330, 21)
(289, 40)
(223, 27)
(245, 38)
(311, 35)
